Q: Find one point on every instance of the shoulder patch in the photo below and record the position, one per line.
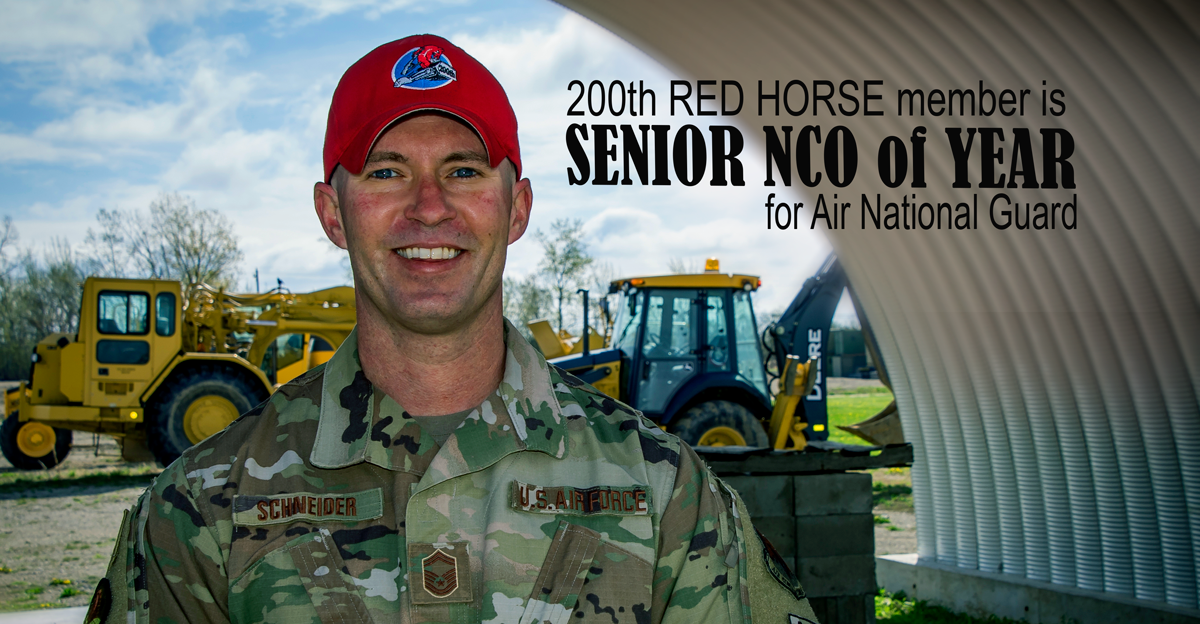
(101, 604)
(781, 572)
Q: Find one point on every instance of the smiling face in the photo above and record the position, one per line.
(427, 224)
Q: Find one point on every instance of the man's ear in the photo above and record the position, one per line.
(522, 204)
(329, 211)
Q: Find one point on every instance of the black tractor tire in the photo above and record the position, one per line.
(709, 415)
(10, 433)
(168, 433)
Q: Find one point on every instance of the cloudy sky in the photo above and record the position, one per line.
(109, 104)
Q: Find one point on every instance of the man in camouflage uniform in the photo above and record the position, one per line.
(535, 499)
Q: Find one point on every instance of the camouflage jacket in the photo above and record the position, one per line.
(550, 503)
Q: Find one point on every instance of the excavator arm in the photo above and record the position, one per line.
(803, 332)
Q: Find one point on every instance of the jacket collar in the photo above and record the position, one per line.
(359, 423)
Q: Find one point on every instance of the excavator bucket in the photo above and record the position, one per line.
(881, 429)
(548, 341)
(595, 341)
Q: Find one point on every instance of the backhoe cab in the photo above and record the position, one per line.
(685, 351)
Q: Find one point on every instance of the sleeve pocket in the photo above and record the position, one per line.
(558, 585)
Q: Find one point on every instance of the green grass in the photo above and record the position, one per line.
(14, 482)
(861, 390)
(899, 609)
(847, 409)
(891, 496)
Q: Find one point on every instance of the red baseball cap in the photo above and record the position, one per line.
(418, 73)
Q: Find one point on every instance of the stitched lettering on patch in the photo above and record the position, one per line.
(573, 501)
(307, 507)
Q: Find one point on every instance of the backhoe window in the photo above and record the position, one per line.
(629, 314)
(718, 336)
(164, 314)
(669, 347)
(670, 323)
(749, 358)
(290, 350)
(123, 313)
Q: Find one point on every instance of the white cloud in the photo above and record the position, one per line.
(239, 161)
(15, 148)
(110, 73)
(46, 30)
(57, 30)
(206, 104)
(316, 10)
(71, 217)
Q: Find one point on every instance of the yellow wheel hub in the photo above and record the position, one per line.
(208, 415)
(722, 436)
(36, 439)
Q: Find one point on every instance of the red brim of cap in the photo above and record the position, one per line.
(359, 148)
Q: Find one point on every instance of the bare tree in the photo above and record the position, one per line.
(681, 266)
(8, 243)
(599, 276)
(14, 335)
(183, 242)
(564, 260)
(50, 293)
(526, 300)
(37, 297)
(175, 240)
(106, 248)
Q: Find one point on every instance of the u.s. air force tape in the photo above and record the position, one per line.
(307, 507)
(577, 501)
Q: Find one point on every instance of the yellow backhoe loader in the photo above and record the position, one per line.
(686, 351)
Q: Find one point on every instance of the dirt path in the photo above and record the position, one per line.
(60, 525)
(895, 521)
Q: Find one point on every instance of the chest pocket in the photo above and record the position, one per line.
(588, 578)
(304, 574)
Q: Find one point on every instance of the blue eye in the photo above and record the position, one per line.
(383, 174)
(464, 172)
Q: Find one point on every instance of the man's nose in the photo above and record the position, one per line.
(430, 206)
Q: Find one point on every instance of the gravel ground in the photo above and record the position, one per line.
(895, 521)
(60, 525)
(899, 536)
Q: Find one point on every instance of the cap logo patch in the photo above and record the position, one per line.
(424, 67)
